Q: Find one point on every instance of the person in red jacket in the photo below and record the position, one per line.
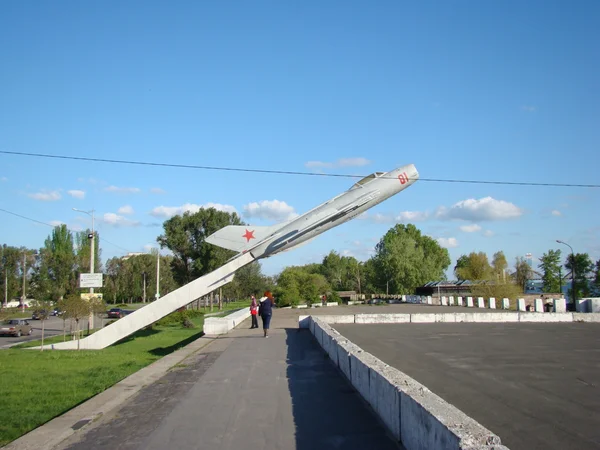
(254, 313)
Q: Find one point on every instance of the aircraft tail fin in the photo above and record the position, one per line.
(240, 237)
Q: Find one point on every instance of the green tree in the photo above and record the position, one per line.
(499, 265)
(583, 266)
(550, 265)
(58, 262)
(82, 248)
(523, 272)
(408, 259)
(42, 310)
(247, 281)
(474, 266)
(10, 258)
(333, 269)
(297, 284)
(185, 236)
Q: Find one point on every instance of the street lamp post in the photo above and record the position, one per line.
(572, 273)
(92, 237)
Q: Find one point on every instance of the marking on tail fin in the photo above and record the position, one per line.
(248, 235)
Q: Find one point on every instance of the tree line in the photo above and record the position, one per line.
(403, 260)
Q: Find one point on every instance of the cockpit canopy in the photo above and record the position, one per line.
(366, 180)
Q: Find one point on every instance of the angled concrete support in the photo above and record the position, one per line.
(159, 308)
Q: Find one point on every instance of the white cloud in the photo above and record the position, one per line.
(342, 162)
(488, 233)
(56, 223)
(487, 208)
(528, 108)
(75, 193)
(170, 211)
(270, 209)
(127, 210)
(122, 190)
(556, 213)
(3, 179)
(448, 242)
(157, 191)
(118, 221)
(45, 196)
(381, 218)
(412, 216)
(470, 228)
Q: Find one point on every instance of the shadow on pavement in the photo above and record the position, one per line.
(328, 412)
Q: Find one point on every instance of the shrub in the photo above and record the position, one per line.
(178, 317)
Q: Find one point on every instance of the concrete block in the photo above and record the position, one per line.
(304, 321)
(459, 301)
(404, 298)
(215, 326)
(382, 318)
(385, 396)
(445, 317)
(539, 305)
(428, 422)
(422, 318)
(360, 363)
(560, 305)
(586, 317)
(331, 318)
(521, 304)
(594, 305)
(444, 301)
(429, 300)
(480, 302)
(469, 302)
(545, 317)
(301, 306)
(487, 317)
(492, 303)
(451, 300)
(505, 303)
(332, 303)
(583, 306)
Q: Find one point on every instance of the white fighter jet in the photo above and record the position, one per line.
(266, 241)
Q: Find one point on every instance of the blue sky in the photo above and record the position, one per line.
(502, 91)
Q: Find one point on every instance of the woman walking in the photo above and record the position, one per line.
(266, 310)
(254, 313)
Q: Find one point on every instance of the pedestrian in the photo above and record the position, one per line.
(254, 313)
(265, 310)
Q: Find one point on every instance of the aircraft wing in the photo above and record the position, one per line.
(240, 237)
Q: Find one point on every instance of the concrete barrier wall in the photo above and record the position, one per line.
(474, 317)
(415, 416)
(222, 325)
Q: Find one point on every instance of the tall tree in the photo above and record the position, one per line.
(406, 259)
(583, 268)
(499, 266)
(523, 272)
(474, 266)
(83, 246)
(333, 269)
(184, 235)
(58, 261)
(9, 265)
(550, 265)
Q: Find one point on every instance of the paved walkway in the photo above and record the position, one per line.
(244, 392)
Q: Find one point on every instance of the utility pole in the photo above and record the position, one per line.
(92, 238)
(144, 274)
(157, 295)
(220, 299)
(24, 297)
(5, 287)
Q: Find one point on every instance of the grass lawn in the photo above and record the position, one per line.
(38, 386)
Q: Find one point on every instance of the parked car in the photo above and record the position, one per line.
(56, 312)
(16, 327)
(117, 313)
(36, 315)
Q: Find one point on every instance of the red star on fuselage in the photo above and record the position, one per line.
(249, 235)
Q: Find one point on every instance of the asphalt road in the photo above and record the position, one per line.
(53, 326)
(535, 385)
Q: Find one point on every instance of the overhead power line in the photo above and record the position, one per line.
(286, 172)
(52, 226)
